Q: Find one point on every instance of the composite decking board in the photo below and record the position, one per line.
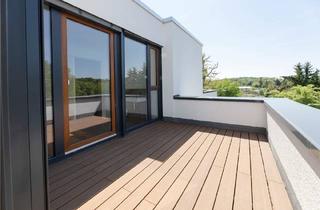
(86, 195)
(109, 148)
(76, 190)
(163, 186)
(71, 161)
(79, 179)
(243, 191)
(94, 152)
(191, 192)
(163, 153)
(137, 181)
(107, 193)
(225, 195)
(108, 157)
(109, 171)
(109, 202)
(202, 169)
(209, 191)
(142, 191)
(260, 190)
(278, 194)
(145, 205)
(169, 200)
(84, 176)
(155, 158)
(269, 163)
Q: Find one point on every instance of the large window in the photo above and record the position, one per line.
(48, 80)
(135, 83)
(89, 85)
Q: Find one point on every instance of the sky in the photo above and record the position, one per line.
(250, 37)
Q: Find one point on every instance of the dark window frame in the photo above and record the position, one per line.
(158, 48)
(127, 129)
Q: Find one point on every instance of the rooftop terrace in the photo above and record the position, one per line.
(169, 165)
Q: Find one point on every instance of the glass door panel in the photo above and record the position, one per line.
(154, 83)
(135, 83)
(89, 101)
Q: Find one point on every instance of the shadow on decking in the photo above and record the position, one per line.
(75, 180)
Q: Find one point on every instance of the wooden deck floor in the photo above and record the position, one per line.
(171, 166)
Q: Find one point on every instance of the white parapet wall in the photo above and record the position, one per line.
(230, 112)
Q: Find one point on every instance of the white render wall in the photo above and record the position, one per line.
(188, 81)
(181, 52)
(226, 112)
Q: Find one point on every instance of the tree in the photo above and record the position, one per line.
(315, 78)
(208, 69)
(136, 80)
(227, 88)
(303, 94)
(305, 75)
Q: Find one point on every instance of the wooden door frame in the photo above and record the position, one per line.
(64, 18)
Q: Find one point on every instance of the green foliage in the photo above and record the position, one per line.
(317, 106)
(226, 88)
(305, 75)
(87, 86)
(258, 82)
(303, 86)
(308, 95)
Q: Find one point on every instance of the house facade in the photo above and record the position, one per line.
(107, 74)
(76, 73)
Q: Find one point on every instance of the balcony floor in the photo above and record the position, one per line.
(171, 165)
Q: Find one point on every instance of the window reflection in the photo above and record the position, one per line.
(88, 83)
(135, 82)
(48, 80)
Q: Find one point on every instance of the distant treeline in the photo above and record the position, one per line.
(258, 82)
(303, 86)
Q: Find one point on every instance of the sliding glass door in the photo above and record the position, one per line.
(81, 62)
(89, 83)
(141, 83)
(135, 83)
